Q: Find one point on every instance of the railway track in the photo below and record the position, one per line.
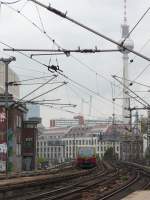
(137, 183)
(18, 188)
(95, 185)
(54, 170)
(105, 180)
(76, 188)
(36, 185)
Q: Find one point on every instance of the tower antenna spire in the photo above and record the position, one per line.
(125, 11)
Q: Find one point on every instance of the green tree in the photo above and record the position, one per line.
(42, 162)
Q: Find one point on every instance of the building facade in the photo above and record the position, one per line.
(29, 140)
(84, 136)
(11, 135)
(61, 144)
(12, 77)
(78, 120)
(131, 148)
(50, 146)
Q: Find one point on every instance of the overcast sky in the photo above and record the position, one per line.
(105, 16)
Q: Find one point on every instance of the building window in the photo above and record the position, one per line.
(101, 148)
(117, 148)
(18, 121)
(18, 149)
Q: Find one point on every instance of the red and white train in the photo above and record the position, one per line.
(86, 157)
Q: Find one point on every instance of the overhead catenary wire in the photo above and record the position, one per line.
(7, 2)
(144, 45)
(147, 66)
(81, 95)
(40, 18)
(35, 25)
(82, 86)
(42, 85)
(39, 63)
(36, 97)
(60, 74)
(26, 69)
(48, 91)
(139, 99)
(92, 70)
(64, 15)
(30, 79)
(29, 57)
(141, 18)
(131, 82)
(47, 100)
(56, 43)
(26, 84)
(50, 37)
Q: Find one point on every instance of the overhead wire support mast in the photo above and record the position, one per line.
(64, 15)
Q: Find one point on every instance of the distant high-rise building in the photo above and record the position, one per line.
(78, 121)
(33, 111)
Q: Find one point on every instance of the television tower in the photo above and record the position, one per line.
(127, 42)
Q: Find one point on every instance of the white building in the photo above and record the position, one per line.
(89, 137)
(50, 145)
(61, 144)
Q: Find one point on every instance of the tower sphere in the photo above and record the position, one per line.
(128, 43)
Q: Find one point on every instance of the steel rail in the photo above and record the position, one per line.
(74, 188)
